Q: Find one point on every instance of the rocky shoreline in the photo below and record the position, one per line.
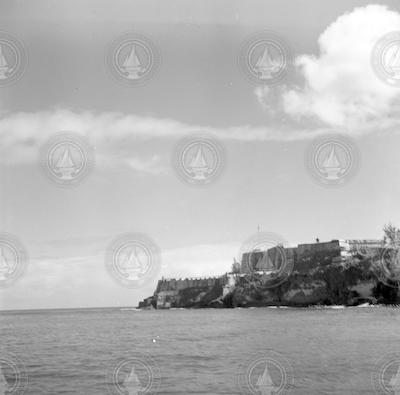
(318, 278)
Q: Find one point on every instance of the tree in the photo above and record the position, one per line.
(235, 266)
(391, 235)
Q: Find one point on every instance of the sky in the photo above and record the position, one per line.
(198, 88)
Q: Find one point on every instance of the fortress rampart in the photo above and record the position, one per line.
(304, 254)
(306, 284)
(173, 284)
(273, 257)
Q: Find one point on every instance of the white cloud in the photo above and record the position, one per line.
(112, 133)
(147, 166)
(340, 87)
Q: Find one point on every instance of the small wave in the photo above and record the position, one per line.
(363, 305)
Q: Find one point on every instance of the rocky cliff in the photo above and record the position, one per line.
(322, 278)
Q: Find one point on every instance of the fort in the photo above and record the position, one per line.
(304, 260)
(302, 254)
(182, 283)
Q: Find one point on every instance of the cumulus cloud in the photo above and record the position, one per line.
(340, 87)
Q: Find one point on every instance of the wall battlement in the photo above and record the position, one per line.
(173, 284)
(273, 257)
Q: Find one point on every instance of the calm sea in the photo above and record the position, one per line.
(312, 351)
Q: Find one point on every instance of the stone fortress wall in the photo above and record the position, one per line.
(270, 260)
(273, 257)
(306, 257)
(192, 282)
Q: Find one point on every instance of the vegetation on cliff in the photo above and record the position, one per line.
(317, 278)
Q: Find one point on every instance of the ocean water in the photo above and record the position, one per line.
(306, 351)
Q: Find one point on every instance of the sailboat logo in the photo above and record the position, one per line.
(267, 65)
(133, 259)
(132, 67)
(332, 160)
(132, 384)
(4, 387)
(271, 375)
(265, 257)
(266, 264)
(394, 382)
(385, 376)
(138, 375)
(390, 266)
(264, 383)
(385, 58)
(65, 167)
(13, 377)
(198, 166)
(392, 60)
(199, 160)
(331, 167)
(13, 59)
(265, 58)
(67, 158)
(133, 265)
(13, 258)
(133, 59)
(5, 267)
(5, 68)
